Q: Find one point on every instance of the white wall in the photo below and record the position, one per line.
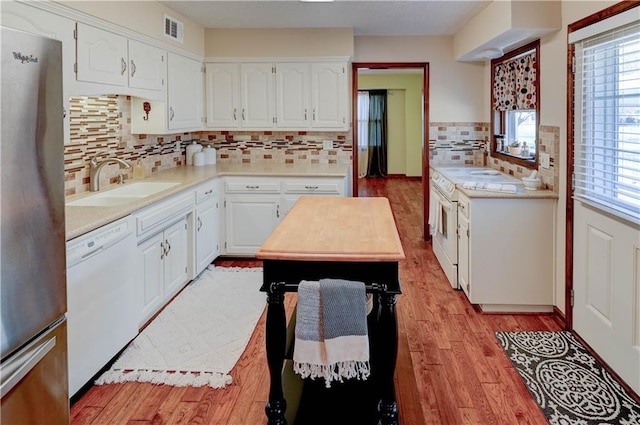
(456, 89)
(553, 104)
(145, 17)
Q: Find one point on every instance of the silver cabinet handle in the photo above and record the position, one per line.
(277, 211)
(311, 187)
(199, 224)
(242, 114)
(133, 68)
(163, 250)
(171, 113)
(234, 113)
(24, 366)
(124, 66)
(305, 114)
(168, 247)
(314, 114)
(252, 187)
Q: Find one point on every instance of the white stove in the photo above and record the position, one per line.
(443, 208)
(446, 178)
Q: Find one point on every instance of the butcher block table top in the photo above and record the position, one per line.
(335, 229)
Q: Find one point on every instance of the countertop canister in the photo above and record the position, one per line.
(209, 155)
(198, 159)
(192, 149)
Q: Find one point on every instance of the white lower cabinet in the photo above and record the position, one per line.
(505, 253)
(165, 267)
(207, 226)
(250, 219)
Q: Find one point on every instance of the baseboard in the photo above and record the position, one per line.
(559, 317)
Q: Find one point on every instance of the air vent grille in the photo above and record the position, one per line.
(173, 28)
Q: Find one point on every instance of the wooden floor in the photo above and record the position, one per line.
(450, 368)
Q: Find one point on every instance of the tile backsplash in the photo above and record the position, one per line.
(103, 123)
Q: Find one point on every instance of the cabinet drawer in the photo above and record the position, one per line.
(162, 212)
(205, 192)
(252, 186)
(312, 186)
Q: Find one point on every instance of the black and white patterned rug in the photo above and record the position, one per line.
(568, 383)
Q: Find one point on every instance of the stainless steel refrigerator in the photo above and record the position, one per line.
(33, 368)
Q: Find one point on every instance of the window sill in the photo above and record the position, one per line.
(528, 162)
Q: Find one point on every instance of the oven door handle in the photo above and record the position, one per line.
(442, 200)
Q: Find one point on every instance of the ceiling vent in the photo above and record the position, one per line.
(173, 28)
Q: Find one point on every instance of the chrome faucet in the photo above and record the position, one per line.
(96, 166)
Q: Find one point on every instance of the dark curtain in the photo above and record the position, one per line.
(377, 133)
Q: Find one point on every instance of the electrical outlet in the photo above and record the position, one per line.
(327, 144)
(545, 160)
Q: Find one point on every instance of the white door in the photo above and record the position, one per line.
(606, 279)
(329, 95)
(256, 91)
(292, 95)
(176, 258)
(152, 285)
(606, 193)
(207, 222)
(223, 95)
(101, 56)
(250, 219)
(147, 66)
(184, 93)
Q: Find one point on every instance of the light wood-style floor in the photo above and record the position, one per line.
(450, 368)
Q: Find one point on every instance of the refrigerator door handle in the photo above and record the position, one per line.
(19, 368)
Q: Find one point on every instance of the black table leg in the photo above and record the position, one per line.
(276, 334)
(386, 360)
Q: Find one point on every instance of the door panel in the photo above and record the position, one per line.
(606, 285)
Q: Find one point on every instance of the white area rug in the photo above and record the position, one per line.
(198, 338)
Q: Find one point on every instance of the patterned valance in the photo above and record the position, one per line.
(514, 83)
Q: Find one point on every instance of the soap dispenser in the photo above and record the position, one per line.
(138, 171)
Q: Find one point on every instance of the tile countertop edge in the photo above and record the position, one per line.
(81, 220)
(521, 193)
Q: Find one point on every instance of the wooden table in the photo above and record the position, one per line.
(328, 237)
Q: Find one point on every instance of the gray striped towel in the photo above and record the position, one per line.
(331, 331)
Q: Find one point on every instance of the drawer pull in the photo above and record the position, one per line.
(311, 187)
(252, 187)
(199, 224)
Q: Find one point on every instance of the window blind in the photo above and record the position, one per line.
(607, 121)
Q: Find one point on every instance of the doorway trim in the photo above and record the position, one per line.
(355, 66)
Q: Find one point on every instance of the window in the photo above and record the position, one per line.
(514, 101)
(607, 121)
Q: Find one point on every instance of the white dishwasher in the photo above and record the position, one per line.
(100, 298)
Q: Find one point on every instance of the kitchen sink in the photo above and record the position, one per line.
(122, 195)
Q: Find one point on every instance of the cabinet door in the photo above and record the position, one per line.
(101, 56)
(329, 95)
(463, 254)
(223, 95)
(292, 95)
(256, 92)
(147, 66)
(250, 219)
(176, 258)
(152, 297)
(207, 221)
(184, 93)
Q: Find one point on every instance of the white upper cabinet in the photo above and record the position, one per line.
(284, 95)
(330, 95)
(126, 66)
(147, 66)
(101, 56)
(293, 95)
(223, 95)
(256, 94)
(184, 93)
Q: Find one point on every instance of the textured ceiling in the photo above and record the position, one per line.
(376, 17)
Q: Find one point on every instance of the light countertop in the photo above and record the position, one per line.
(521, 193)
(80, 220)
